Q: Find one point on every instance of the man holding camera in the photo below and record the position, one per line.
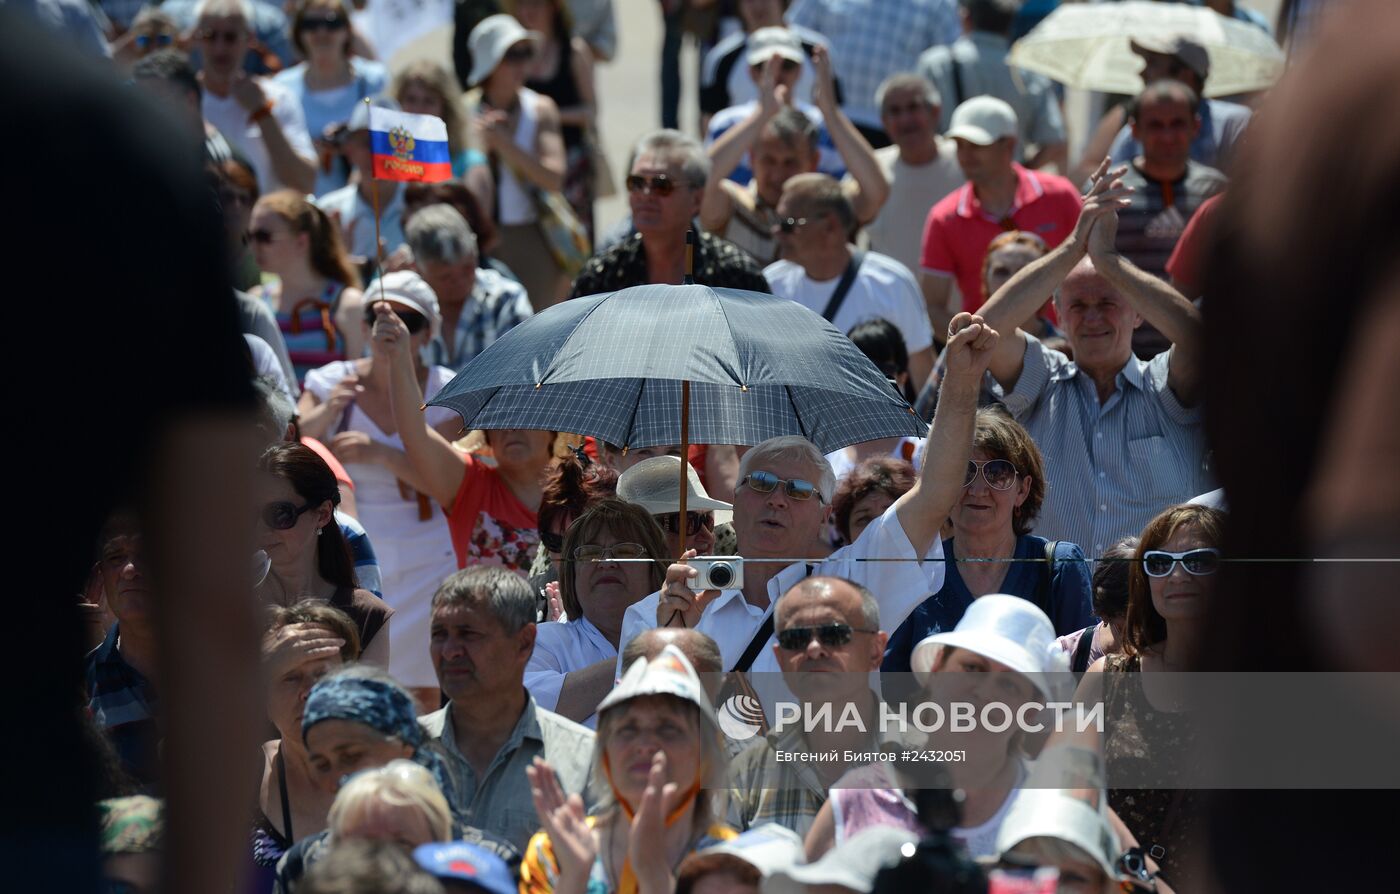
(780, 505)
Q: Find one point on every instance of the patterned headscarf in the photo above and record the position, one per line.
(132, 825)
(374, 703)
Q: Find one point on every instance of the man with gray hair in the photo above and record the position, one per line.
(478, 304)
(823, 272)
(784, 498)
(975, 65)
(664, 189)
(483, 632)
(921, 167)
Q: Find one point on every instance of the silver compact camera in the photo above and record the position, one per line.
(717, 573)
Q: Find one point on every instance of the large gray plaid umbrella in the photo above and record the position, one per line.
(615, 366)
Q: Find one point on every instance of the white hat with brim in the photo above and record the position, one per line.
(654, 485)
(407, 288)
(489, 42)
(765, 43)
(769, 848)
(853, 864)
(982, 121)
(1049, 813)
(669, 673)
(1006, 629)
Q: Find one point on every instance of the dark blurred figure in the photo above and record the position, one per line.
(173, 447)
(1310, 217)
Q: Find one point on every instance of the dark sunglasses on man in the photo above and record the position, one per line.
(796, 639)
(767, 482)
(282, 515)
(323, 23)
(789, 225)
(694, 522)
(414, 321)
(660, 184)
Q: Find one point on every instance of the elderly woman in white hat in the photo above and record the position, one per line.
(1049, 827)
(657, 762)
(520, 132)
(1003, 650)
(347, 405)
(653, 484)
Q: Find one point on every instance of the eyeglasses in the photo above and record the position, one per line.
(262, 237)
(767, 482)
(998, 473)
(414, 321)
(328, 23)
(283, 515)
(212, 36)
(694, 522)
(795, 639)
(591, 552)
(1159, 562)
(147, 41)
(790, 224)
(520, 54)
(660, 184)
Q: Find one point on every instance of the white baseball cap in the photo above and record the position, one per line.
(489, 41)
(982, 121)
(411, 290)
(1006, 629)
(769, 848)
(853, 864)
(765, 43)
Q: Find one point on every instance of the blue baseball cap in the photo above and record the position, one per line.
(468, 863)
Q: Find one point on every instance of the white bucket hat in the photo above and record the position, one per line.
(653, 484)
(854, 863)
(1050, 813)
(490, 40)
(1006, 629)
(669, 673)
(408, 288)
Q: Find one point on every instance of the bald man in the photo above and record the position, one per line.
(829, 640)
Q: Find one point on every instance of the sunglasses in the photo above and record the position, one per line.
(796, 639)
(520, 54)
(282, 515)
(998, 473)
(212, 36)
(790, 224)
(1159, 562)
(591, 552)
(330, 23)
(262, 237)
(694, 522)
(414, 321)
(147, 41)
(660, 184)
(767, 482)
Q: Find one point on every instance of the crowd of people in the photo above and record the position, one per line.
(484, 660)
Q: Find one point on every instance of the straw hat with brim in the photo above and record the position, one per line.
(492, 37)
(769, 848)
(854, 863)
(1006, 629)
(982, 121)
(654, 485)
(669, 673)
(1049, 813)
(410, 290)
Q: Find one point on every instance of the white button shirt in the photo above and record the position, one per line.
(899, 588)
(560, 648)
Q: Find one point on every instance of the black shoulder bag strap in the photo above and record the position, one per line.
(760, 637)
(843, 287)
(1047, 580)
(958, 89)
(1079, 661)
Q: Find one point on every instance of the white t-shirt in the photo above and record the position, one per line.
(883, 288)
(231, 119)
(898, 229)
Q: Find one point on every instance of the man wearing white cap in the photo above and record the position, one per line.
(352, 206)
(1000, 196)
(783, 500)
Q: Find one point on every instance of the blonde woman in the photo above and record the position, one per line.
(398, 802)
(424, 87)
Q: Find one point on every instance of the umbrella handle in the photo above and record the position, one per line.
(683, 486)
(689, 279)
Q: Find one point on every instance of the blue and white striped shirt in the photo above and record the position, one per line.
(1109, 468)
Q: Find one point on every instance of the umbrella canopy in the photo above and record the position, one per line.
(1086, 45)
(612, 366)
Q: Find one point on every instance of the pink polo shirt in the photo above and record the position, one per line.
(957, 231)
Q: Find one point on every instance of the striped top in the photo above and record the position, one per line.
(122, 703)
(1109, 468)
(309, 330)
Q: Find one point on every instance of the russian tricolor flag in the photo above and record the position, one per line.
(409, 147)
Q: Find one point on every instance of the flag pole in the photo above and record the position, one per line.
(378, 245)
